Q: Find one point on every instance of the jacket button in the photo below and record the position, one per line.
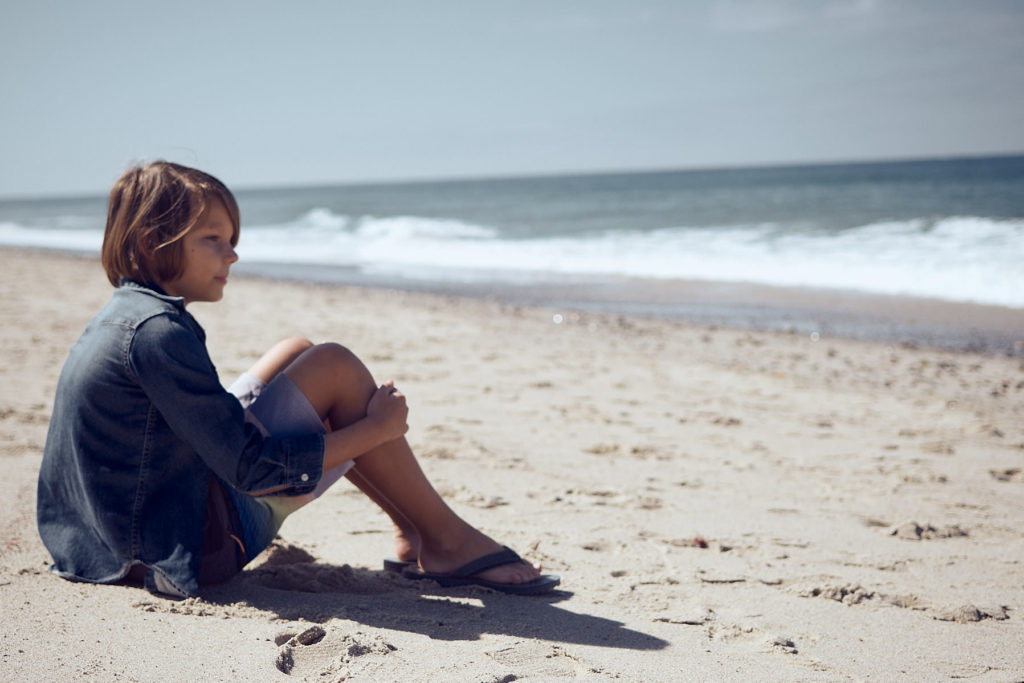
(304, 477)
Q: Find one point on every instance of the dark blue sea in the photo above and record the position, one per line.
(946, 229)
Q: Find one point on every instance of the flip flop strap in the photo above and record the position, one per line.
(482, 564)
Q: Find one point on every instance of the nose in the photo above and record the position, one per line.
(232, 255)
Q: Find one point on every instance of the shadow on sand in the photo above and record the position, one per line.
(317, 592)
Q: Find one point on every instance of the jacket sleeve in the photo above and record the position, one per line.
(171, 364)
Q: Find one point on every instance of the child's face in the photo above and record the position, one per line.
(208, 256)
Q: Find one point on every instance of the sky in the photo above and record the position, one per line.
(314, 92)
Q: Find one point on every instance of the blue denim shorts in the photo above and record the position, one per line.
(277, 409)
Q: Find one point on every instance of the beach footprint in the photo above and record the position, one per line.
(754, 638)
(318, 653)
(535, 660)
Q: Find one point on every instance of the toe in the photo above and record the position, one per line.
(519, 572)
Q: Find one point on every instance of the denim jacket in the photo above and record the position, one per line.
(139, 421)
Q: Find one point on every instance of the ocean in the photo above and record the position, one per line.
(948, 229)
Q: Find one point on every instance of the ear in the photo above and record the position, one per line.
(147, 243)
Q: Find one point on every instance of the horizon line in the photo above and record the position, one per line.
(568, 173)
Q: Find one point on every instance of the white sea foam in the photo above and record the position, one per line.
(406, 228)
(61, 237)
(955, 258)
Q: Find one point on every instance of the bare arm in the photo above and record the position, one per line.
(385, 421)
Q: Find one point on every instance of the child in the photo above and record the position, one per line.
(153, 471)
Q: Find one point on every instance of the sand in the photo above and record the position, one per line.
(721, 504)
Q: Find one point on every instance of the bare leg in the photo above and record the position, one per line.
(274, 361)
(278, 358)
(339, 387)
(269, 366)
(407, 537)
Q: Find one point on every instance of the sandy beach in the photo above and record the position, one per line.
(721, 504)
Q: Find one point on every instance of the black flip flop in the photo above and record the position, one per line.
(392, 564)
(466, 575)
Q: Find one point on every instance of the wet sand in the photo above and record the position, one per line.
(907, 321)
(722, 504)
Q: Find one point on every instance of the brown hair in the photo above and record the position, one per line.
(151, 208)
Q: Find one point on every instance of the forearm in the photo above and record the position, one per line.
(362, 436)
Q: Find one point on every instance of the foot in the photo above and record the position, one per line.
(468, 544)
(407, 544)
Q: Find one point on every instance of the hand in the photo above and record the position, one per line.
(388, 410)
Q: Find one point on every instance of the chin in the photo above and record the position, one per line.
(209, 298)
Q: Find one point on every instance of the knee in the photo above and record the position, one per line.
(279, 357)
(293, 347)
(342, 361)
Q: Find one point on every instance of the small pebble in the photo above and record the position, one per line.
(311, 636)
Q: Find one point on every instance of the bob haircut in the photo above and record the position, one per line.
(152, 207)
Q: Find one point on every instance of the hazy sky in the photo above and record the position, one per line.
(275, 93)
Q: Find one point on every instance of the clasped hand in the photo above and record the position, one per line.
(388, 409)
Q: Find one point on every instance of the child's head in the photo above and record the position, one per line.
(152, 207)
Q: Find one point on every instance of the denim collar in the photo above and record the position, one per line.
(155, 291)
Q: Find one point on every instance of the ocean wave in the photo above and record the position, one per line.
(60, 237)
(416, 228)
(320, 219)
(384, 228)
(958, 258)
(962, 258)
